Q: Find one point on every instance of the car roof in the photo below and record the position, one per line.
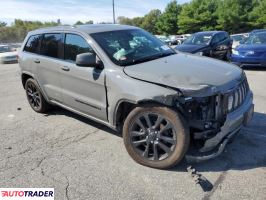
(92, 28)
(210, 32)
(258, 30)
(238, 34)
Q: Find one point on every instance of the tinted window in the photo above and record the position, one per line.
(74, 45)
(50, 45)
(215, 39)
(221, 36)
(199, 39)
(226, 35)
(4, 49)
(33, 44)
(256, 38)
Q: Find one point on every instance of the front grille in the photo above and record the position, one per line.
(237, 96)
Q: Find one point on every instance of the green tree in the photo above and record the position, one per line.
(2, 24)
(82, 23)
(258, 14)
(150, 20)
(168, 21)
(79, 23)
(136, 21)
(89, 22)
(233, 15)
(124, 20)
(19, 29)
(198, 15)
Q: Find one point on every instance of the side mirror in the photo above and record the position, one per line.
(89, 60)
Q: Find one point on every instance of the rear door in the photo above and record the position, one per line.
(83, 88)
(30, 54)
(48, 65)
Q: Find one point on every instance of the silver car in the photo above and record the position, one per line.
(167, 105)
(8, 54)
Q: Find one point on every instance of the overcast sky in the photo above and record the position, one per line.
(70, 11)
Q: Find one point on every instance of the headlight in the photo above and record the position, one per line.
(235, 52)
(230, 102)
(199, 53)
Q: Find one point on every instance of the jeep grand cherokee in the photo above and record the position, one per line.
(167, 104)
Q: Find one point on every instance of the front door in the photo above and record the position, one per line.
(83, 88)
(219, 46)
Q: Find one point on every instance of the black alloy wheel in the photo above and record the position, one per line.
(155, 136)
(35, 97)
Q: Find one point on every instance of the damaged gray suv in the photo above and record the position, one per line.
(168, 105)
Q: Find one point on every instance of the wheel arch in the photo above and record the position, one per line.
(124, 107)
(25, 76)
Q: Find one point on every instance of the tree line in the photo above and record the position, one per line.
(19, 29)
(234, 16)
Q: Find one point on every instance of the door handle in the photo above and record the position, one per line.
(65, 68)
(37, 61)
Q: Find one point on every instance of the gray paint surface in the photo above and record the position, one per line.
(188, 72)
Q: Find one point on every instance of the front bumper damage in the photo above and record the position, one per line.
(214, 146)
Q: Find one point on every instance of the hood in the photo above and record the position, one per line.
(250, 47)
(190, 48)
(193, 75)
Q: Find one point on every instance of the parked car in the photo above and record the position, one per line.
(258, 31)
(183, 37)
(162, 101)
(164, 39)
(215, 44)
(7, 55)
(173, 39)
(252, 53)
(237, 39)
(15, 46)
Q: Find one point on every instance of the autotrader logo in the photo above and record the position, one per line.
(27, 193)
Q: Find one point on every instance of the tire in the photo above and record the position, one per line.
(227, 56)
(167, 129)
(35, 97)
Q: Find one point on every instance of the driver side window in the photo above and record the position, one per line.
(215, 39)
(74, 45)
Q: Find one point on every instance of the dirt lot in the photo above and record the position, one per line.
(84, 160)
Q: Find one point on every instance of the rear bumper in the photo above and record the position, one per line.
(214, 146)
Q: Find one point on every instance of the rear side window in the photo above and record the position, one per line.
(222, 36)
(74, 45)
(215, 39)
(226, 35)
(50, 45)
(33, 44)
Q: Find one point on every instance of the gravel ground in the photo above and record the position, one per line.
(85, 160)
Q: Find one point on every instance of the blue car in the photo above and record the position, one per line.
(252, 53)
